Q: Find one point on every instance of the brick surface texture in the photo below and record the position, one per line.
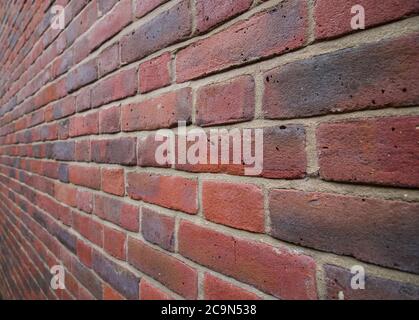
(80, 111)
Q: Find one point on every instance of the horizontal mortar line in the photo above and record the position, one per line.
(309, 184)
(335, 44)
(25, 252)
(254, 123)
(125, 263)
(316, 254)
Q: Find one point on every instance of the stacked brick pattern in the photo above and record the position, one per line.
(79, 185)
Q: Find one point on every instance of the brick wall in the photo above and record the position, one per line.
(80, 187)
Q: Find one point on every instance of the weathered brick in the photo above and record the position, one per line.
(168, 191)
(84, 200)
(117, 86)
(351, 79)
(63, 150)
(150, 292)
(110, 120)
(163, 111)
(236, 205)
(123, 280)
(83, 100)
(338, 280)
(120, 151)
(377, 150)
(88, 228)
(158, 229)
(88, 279)
(226, 102)
(85, 176)
(114, 21)
(142, 7)
(173, 273)
(84, 252)
(108, 60)
(155, 73)
(168, 27)
(333, 17)
(117, 212)
(217, 289)
(113, 181)
(81, 125)
(114, 242)
(82, 75)
(110, 294)
(82, 150)
(277, 271)
(276, 31)
(373, 230)
(212, 12)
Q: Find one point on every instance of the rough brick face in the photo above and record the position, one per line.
(162, 112)
(273, 32)
(226, 102)
(301, 145)
(273, 271)
(380, 151)
(237, 205)
(350, 79)
(155, 73)
(171, 192)
(333, 17)
(339, 280)
(312, 218)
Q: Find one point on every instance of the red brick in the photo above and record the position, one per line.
(171, 272)
(84, 252)
(379, 151)
(150, 292)
(82, 150)
(146, 150)
(105, 5)
(235, 205)
(85, 176)
(84, 200)
(113, 181)
(226, 102)
(117, 86)
(81, 125)
(142, 7)
(81, 75)
(120, 151)
(373, 230)
(213, 12)
(88, 228)
(110, 294)
(110, 120)
(277, 271)
(114, 21)
(376, 288)
(66, 194)
(217, 289)
(333, 17)
(168, 191)
(114, 242)
(173, 25)
(108, 60)
(83, 100)
(116, 211)
(158, 229)
(362, 77)
(163, 111)
(274, 32)
(155, 73)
